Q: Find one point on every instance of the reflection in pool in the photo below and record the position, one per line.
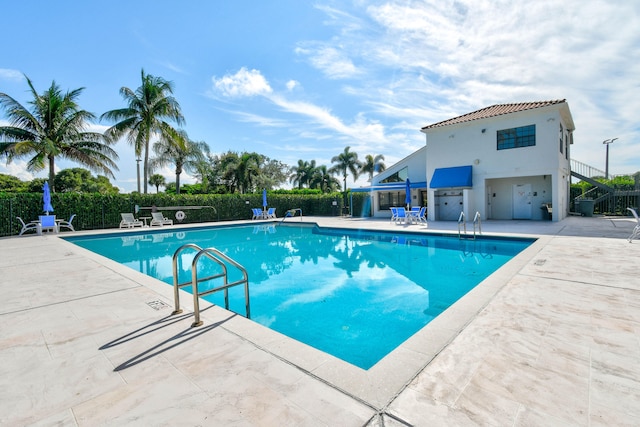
(355, 294)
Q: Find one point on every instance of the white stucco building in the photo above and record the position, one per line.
(505, 162)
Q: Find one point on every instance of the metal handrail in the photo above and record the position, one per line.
(176, 285)
(214, 255)
(294, 214)
(461, 219)
(583, 195)
(477, 220)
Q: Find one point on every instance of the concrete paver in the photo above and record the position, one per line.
(553, 338)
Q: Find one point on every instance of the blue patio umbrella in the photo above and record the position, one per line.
(407, 197)
(46, 198)
(264, 199)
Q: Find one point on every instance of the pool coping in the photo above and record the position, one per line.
(376, 387)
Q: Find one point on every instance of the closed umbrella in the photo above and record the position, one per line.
(407, 197)
(264, 199)
(46, 198)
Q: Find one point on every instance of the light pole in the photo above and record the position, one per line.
(138, 170)
(606, 167)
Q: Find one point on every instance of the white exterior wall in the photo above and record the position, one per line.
(542, 165)
(416, 164)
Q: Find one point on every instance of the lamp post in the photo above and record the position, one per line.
(606, 168)
(138, 170)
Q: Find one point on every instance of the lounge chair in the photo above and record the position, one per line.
(129, 221)
(48, 223)
(636, 230)
(67, 224)
(421, 216)
(257, 213)
(160, 220)
(270, 214)
(29, 226)
(394, 214)
(401, 215)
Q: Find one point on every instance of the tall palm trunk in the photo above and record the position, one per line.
(52, 173)
(146, 163)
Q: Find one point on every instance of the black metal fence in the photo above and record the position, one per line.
(606, 202)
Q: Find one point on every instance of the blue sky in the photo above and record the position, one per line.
(295, 79)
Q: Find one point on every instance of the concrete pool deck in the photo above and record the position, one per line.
(552, 338)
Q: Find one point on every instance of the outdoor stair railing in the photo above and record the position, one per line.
(462, 225)
(219, 258)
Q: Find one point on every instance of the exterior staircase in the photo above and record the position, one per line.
(603, 195)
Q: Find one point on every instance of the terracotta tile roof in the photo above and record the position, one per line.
(494, 110)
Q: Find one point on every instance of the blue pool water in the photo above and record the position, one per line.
(351, 293)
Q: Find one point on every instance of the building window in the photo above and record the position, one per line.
(388, 199)
(561, 139)
(400, 176)
(524, 136)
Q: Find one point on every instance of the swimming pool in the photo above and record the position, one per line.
(355, 294)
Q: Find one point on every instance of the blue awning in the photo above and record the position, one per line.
(395, 186)
(456, 177)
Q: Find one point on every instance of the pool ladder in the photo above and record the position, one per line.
(462, 225)
(219, 258)
(291, 213)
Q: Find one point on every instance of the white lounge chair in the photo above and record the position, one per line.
(129, 221)
(29, 226)
(67, 224)
(160, 220)
(636, 230)
(270, 214)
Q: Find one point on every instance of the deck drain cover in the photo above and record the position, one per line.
(157, 304)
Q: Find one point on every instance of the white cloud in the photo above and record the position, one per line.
(243, 83)
(9, 74)
(421, 62)
(18, 168)
(333, 62)
(292, 84)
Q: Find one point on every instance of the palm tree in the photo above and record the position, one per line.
(301, 174)
(373, 165)
(323, 180)
(345, 162)
(203, 171)
(145, 115)
(157, 180)
(174, 147)
(55, 127)
(247, 170)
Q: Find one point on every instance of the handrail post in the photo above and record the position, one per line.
(176, 285)
(461, 219)
(477, 219)
(216, 256)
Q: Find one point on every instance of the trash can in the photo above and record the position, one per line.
(586, 207)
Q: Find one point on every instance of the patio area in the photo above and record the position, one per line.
(552, 338)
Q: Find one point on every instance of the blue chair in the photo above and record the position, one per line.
(257, 213)
(394, 214)
(401, 215)
(48, 223)
(421, 216)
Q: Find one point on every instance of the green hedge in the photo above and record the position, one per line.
(98, 211)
